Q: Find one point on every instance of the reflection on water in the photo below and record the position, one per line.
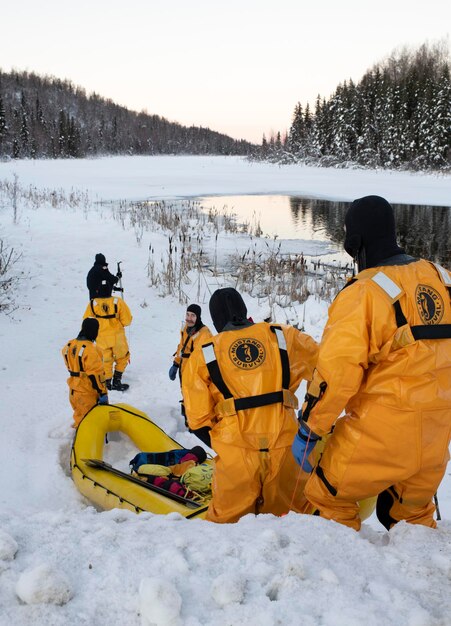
(423, 231)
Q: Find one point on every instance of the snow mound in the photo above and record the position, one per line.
(160, 602)
(8, 547)
(43, 585)
(227, 589)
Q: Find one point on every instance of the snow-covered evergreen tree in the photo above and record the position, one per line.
(397, 115)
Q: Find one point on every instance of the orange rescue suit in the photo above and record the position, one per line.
(396, 387)
(112, 314)
(255, 471)
(87, 379)
(188, 343)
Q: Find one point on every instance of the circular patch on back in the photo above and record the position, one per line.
(247, 354)
(429, 304)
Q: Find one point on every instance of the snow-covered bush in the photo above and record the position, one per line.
(8, 278)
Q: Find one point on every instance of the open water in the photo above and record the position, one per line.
(423, 231)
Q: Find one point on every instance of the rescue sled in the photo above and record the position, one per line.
(110, 488)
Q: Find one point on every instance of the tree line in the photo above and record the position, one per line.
(43, 116)
(397, 116)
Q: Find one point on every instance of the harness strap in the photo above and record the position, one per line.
(78, 359)
(185, 343)
(350, 282)
(421, 331)
(94, 384)
(80, 356)
(432, 331)
(104, 317)
(186, 355)
(183, 354)
(252, 402)
(230, 405)
(399, 314)
(285, 361)
(214, 371)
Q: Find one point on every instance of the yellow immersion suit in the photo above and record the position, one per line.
(112, 314)
(250, 408)
(384, 356)
(188, 343)
(87, 380)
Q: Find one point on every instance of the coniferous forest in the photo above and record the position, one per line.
(397, 116)
(47, 117)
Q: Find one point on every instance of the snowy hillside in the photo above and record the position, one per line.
(61, 561)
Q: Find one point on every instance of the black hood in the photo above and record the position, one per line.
(100, 260)
(89, 329)
(227, 307)
(370, 231)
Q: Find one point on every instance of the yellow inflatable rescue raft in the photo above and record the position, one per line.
(110, 488)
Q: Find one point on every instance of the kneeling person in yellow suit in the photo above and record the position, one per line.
(241, 385)
(385, 357)
(87, 378)
(113, 315)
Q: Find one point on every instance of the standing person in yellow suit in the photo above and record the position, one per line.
(241, 385)
(113, 315)
(385, 357)
(87, 378)
(194, 333)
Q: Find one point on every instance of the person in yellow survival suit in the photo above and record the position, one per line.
(113, 315)
(87, 378)
(241, 385)
(194, 333)
(385, 356)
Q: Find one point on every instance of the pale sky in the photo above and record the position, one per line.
(238, 67)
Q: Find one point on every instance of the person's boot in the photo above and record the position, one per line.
(116, 383)
(108, 384)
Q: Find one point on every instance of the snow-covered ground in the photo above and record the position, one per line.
(63, 562)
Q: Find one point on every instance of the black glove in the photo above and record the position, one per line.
(173, 371)
(119, 275)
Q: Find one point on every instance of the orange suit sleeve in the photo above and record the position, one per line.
(124, 313)
(303, 354)
(197, 398)
(343, 355)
